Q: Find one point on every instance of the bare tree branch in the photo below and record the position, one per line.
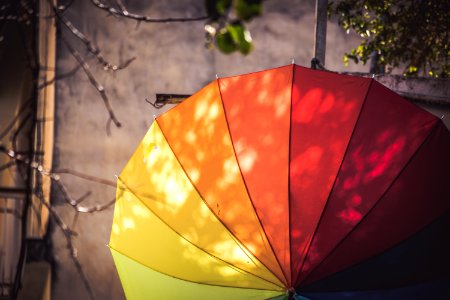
(96, 208)
(98, 87)
(85, 176)
(59, 77)
(65, 193)
(7, 166)
(27, 162)
(66, 230)
(68, 234)
(28, 118)
(84, 197)
(63, 7)
(8, 127)
(123, 12)
(89, 45)
(56, 179)
(120, 5)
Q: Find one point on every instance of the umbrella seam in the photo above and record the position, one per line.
(240, 244)
(376, 204)
(196, 246)
(399, 244)
(289, 176)
(246, 187)
(334, 182)
(255, 72)
(186, 280)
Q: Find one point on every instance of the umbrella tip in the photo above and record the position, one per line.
(293, 61)
(217, 76)
(443, 116)
(154, 117)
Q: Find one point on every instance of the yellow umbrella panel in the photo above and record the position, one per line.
(273, 184)
(140, 282)
(167, 243)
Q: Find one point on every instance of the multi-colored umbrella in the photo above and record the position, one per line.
(283, 183)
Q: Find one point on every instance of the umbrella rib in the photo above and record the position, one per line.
(196, 246)
(378, 201)
(201, 197)
(217, 217)
(334, 182)
(289, 175)
(187, 280)
(370, 259)
(246, 189)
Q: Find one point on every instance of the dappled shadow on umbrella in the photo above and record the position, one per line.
(257, 107)
(325, 109)
(150, 241)
(376, 154)
(401, 211)
(216, 173)
(179, 226)
(266, 182)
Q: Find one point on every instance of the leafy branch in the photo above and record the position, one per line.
(413, 35)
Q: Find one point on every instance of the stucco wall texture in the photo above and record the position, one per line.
(170, 58)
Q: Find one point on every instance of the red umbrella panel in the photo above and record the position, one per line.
(303, 174)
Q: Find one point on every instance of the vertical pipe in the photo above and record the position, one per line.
(320, 38)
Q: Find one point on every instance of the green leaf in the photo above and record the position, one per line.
(248, 9)
(241, 37)
(234, 37)
(225, 42)
(217, 8)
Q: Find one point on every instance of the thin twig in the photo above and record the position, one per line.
(56, 179)
(96, 208)
(7, 166)
(93, 81)
(60, 77)
(79, 267)
(8, 127)
(75, 220)
(108, 127)
(85, 176)
(33, 63)
(84, 197)
(88, 43)
(28, 117)
(121, 6)
(61, 224)
(63, 7)
(67, 231)
(141, 18)
(65, 193)
(69, 234)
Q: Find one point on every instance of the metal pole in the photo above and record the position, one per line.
(320, 38)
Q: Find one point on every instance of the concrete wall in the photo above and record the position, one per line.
(171, 58)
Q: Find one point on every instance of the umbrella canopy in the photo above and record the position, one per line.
(285, 181)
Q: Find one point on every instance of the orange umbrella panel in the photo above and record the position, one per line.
(275, 184)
